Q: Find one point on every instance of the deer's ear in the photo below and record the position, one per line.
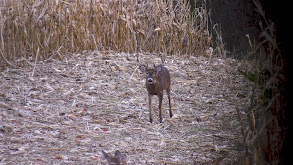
(143, 68)
(107, 156)
(117, 153)
(159, 68)
(123, 158)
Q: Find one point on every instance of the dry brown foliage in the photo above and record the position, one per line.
(58, 112)
(38, 29)
(55, 112)
(263, 134)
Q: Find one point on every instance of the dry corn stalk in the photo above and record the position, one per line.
(52, 27)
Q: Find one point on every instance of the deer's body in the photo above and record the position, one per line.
(158, 79)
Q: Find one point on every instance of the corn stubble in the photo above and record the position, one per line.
(38, 29)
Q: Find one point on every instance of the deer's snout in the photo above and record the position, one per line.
(150, 80)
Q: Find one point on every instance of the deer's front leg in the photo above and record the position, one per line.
(150, 107)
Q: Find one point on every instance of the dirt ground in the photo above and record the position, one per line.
(66, 112)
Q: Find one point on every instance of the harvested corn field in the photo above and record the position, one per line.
(67, 112)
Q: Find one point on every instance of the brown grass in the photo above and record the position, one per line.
(264, 132)
(38, 29)
(67, 112)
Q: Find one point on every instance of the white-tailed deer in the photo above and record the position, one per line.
(117, 159)
(158, 79)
